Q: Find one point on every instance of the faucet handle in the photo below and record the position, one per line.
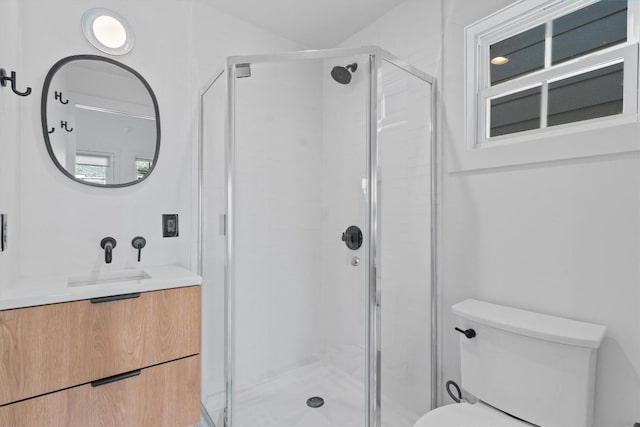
(138, 243)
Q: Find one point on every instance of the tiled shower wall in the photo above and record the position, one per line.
(277, 219)
(343, 165)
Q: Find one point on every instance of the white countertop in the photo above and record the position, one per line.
(51, 290)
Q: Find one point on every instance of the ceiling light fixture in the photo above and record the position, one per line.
(499, 60)
(107, 31)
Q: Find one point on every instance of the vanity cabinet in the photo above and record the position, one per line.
(125, 360)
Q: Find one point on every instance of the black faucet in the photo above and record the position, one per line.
(108, 243)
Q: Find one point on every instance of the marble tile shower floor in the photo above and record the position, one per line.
(282, 402)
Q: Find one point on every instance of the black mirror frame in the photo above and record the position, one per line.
(45, 125)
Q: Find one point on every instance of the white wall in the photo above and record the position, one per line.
(561, 238)
(59, 223)
(216, 36)
(9, 133)
(411, 31)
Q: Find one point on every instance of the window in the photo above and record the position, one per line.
(142, 167)
(517, 55)
(96, 168)
(548, 71)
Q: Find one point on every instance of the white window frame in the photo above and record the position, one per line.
(479, 151)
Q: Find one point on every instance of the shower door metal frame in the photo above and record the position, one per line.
(373, 334)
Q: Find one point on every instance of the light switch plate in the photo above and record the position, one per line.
(170, 225)
(3, 232)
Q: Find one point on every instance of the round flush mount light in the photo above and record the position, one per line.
(499, 60)
(107, 31)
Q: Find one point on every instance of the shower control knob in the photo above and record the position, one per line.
(352, 237)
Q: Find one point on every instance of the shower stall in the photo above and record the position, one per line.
(317, 240)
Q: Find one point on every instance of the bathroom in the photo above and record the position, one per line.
(552, 228)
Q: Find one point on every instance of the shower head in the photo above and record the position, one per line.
(343, 74)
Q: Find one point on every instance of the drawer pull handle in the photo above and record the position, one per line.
(115, 378)
(114, 298)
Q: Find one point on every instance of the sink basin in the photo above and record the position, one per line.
(110, 277)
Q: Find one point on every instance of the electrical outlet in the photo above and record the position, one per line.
(3, 232)
(170, 225)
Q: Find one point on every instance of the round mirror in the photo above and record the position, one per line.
(100, 121)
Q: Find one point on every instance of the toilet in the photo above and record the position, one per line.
(524, 368)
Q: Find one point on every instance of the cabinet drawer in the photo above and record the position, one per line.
(51, 347)
(163, 395)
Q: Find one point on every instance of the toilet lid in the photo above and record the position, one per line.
(467, 415)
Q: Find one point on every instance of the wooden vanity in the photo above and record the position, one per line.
(122, 360)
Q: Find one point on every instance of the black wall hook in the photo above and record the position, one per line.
(58, 96)
(63, 125)
(4, 79)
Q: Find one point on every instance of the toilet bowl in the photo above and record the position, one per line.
(540, 369)
(467, 415)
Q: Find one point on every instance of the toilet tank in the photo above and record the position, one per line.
(536, 367)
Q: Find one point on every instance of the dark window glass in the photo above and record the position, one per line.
(524, 51)
(592, 28)
(516, 112)
(586, 96)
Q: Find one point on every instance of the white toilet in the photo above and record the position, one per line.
(525, 368)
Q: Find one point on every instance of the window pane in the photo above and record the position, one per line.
(93, 168)
(524, 52)
(586, 96)
(592, 28)
(516, 112)
(142, 167)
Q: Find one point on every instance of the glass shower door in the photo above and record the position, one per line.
(404, 261)
(297, 290)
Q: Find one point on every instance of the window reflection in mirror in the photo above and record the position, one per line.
(143, 166)
(92, 167)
